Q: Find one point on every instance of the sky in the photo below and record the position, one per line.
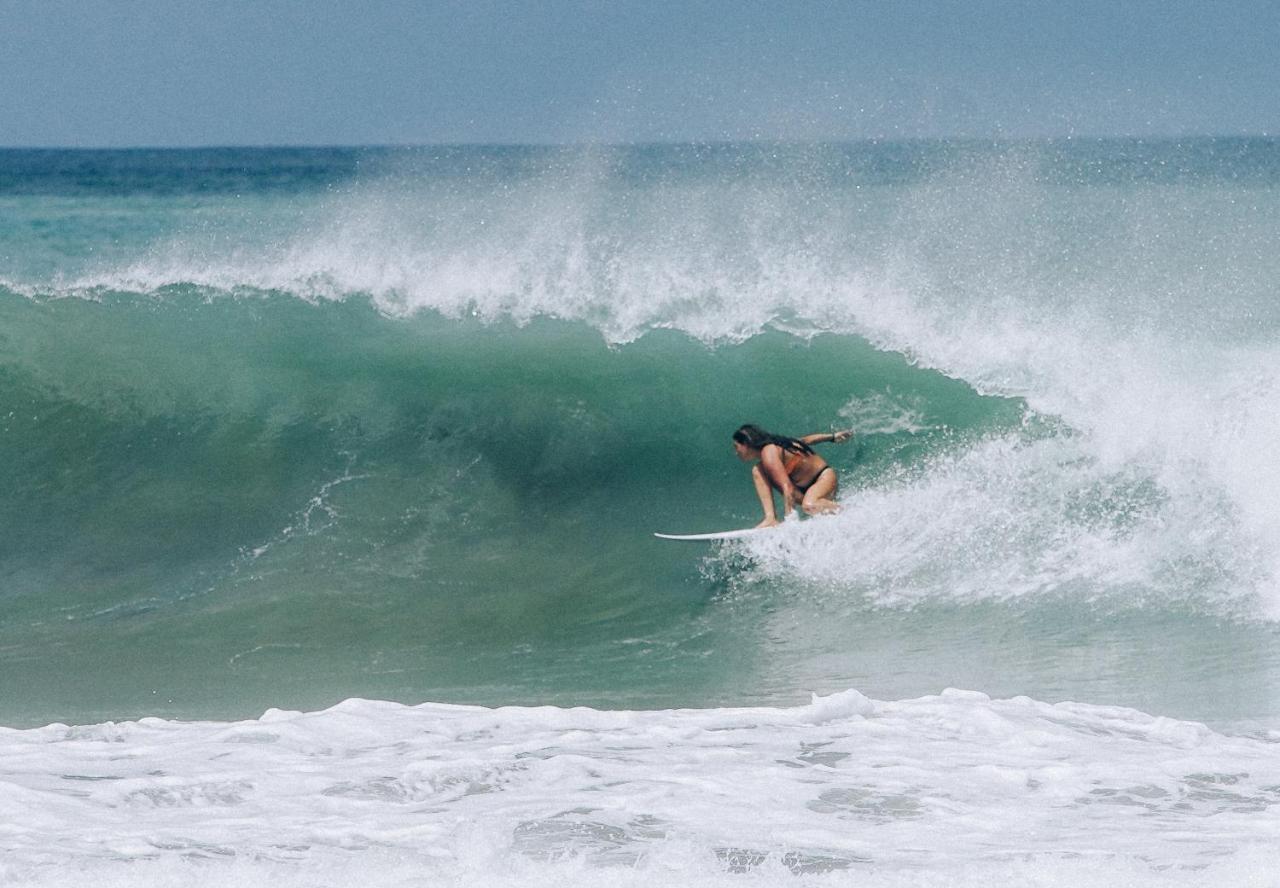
(159, 73)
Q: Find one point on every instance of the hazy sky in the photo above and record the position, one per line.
(220, 72)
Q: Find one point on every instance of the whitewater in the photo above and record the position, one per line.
(328, 479)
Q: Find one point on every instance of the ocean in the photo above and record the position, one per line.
(328, 479)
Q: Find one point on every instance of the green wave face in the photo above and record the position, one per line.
(199, 485)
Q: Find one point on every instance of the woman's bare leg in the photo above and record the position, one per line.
(817, 499)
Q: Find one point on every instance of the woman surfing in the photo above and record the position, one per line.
(791, 467)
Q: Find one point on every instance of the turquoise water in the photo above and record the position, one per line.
(331, 423)
(281, 428)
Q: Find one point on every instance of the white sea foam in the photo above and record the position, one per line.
(1010, 519)
(1190, 416)
(949, 789)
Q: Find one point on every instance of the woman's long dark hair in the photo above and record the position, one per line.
(756, 438)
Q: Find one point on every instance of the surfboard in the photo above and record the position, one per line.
(721, 535)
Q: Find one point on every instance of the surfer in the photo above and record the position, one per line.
(791, 467)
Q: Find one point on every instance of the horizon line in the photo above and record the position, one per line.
(673, 143)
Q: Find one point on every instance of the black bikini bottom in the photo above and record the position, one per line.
(804, 488)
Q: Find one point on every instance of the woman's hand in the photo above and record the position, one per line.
(841, 436)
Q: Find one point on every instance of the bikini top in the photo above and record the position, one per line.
(792, 461)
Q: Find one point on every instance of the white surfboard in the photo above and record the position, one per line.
(699, 537)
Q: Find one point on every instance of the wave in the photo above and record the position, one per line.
(318, 499)
(457, 392)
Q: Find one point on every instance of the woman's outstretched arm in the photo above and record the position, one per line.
(823, 437)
